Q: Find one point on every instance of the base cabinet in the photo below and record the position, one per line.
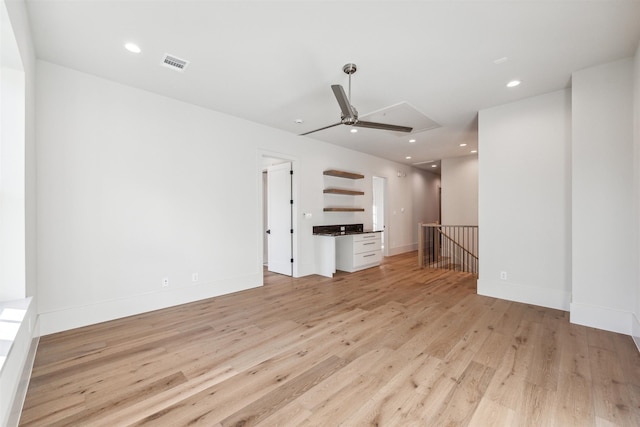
(358, 251)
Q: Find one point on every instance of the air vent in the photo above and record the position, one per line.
(174, 63)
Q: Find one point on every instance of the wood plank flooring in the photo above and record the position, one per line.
(388, 346)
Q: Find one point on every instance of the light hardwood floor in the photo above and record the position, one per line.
(388, 346)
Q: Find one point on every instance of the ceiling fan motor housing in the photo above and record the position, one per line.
(350, 120)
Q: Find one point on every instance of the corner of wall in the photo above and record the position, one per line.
(543, 297)
(104, 311)
(605, 318)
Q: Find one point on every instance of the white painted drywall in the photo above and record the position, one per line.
(134, 187)
(460, 190)
(524, 200)
(604, 253)
(425, 195)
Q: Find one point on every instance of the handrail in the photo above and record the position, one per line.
(456, 243)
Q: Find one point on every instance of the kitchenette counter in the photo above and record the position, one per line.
(341, 230)
(346, 247)
(346, 233)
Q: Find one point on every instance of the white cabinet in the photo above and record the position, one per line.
(358, 251)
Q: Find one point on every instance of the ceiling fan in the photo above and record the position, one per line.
(349, 114)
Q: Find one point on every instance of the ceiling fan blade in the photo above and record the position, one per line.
(343, 101)
(316, 130)
(384, 126)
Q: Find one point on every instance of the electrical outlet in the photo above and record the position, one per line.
(503, 275)
(165, 282)
(194, 277)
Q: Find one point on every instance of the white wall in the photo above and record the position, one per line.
(460, 190)
(134, 187)
(425, 195)
(636, 180)
(604, 250)
(524, 207)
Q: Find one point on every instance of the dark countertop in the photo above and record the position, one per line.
(347, 233)
(341, 230)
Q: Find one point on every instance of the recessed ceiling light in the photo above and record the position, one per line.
(354, 130)
(434, 166)
(132, 47)
(463, 145)
(299, 121)
(513, 83)
(412, 141)
(408, 157)
(474, 151)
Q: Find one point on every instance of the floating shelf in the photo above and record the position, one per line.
(344, 209)
(341, 191)
(348, 175)
(343, 174)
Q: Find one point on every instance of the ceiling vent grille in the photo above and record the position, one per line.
(174, 63)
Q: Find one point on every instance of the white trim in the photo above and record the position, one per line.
(635, 330)
(75, 317)
(544, 297)
(599, 317)
(25, 377)
(15, 373)
(386, 209)
(295, 166)
(402, 249)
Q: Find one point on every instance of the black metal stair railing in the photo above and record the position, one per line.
(451, 247)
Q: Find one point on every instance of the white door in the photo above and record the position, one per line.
(279, 219)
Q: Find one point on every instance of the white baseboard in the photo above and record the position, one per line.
(75, 317)
(543, 297)
(403, 249)
(304, 269)
(635, 330)
(601, 318)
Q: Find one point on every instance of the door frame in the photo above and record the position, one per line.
(385, 201)
(261, 155)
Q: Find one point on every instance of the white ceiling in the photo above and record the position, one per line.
(274, 62)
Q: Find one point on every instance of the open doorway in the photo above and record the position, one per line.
(380, 209)
(278, 215)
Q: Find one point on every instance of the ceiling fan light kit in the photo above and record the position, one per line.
(349, 115)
